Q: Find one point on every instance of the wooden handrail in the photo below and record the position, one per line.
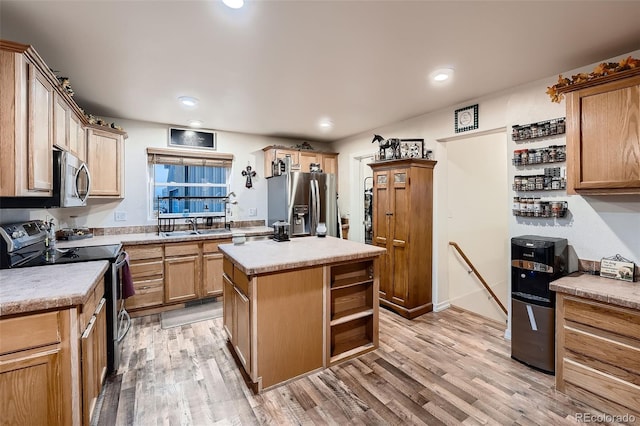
(475, 271)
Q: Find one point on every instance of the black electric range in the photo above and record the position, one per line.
(71, 255)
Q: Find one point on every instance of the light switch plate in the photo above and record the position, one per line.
(120, 216)
(253, 212)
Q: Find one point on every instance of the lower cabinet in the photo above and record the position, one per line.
(285, 324)
(36, 369)
(181, 272)
(212, 268)
(598, 354)
(94, 360)
(146, 263)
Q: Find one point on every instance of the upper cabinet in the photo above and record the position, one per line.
(105, 159)
(26, 124)
(603, 135)
(301, 159)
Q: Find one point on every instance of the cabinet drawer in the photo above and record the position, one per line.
(212, 246)
(148, 293)
(89, 307)
(614, 319)
(146, 269)
(144, 252)
(181, 249)
(227, 268)
(241, 280)
(29, 331)
(604, 351)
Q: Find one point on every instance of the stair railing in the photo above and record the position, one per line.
(475, 271)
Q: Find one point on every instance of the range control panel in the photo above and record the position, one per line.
(18, 235)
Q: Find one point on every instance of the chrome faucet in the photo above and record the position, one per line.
(194, 223)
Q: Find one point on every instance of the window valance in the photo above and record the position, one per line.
(188, 157)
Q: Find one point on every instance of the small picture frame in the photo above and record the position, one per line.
(466, 118)
(190, 138)
(617, 269)
(411, 148)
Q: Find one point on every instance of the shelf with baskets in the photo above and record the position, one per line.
(546, 155)
(552, 179)
(538, 130)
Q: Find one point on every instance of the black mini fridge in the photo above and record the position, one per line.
(535, 262)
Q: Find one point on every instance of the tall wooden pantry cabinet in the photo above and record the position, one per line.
(402, 223)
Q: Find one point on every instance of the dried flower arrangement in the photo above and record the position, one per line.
(605, 68)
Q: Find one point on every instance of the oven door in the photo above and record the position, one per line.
(118, 318)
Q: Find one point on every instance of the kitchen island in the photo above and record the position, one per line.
(294, 307)
(598, 342)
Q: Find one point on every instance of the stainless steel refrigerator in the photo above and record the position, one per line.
(303, 200)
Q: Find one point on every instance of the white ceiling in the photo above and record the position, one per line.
(278, 67)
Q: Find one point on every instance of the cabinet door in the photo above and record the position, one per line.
(33, 382)
(60, 123)
(242, 329)
(228, 308)
(306, 158)
(603, 138)
(90, 386)
(381, 225)
(330, 164)
(212, 274)
(105, 161)
(40, 133)
(182, 275)
(77, 138)
(399, 230)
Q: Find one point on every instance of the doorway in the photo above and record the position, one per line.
(363, 175)
(477, 220)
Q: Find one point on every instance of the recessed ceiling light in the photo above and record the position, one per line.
(233, 4)
(442, 74)
(188, 101)
(195, 123)
(325, 124)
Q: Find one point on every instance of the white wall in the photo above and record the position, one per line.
(246, 148)
(595, 227)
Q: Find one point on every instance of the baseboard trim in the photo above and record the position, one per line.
(437, 307)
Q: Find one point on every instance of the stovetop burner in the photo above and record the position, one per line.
(77, 254)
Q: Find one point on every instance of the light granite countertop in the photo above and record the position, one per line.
(25, 290)
(154, 238)
(258, 257)
(615, 292)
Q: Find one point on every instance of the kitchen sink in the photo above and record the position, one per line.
(178, 233)
(214, 231)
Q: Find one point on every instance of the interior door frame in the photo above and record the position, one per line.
(356, 216)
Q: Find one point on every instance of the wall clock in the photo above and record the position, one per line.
(466, 118)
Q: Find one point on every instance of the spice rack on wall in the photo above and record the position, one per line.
(552, 179)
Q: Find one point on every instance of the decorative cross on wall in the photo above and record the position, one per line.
(249, 173)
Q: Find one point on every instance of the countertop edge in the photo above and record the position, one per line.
(328, 260)
(615, 292)
(45, 303)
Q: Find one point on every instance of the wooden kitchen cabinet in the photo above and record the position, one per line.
(403, 224)
(237, 313)
(598, 354)
(146, 263)
(212, 268)
(60, 123)
(181, 272)
(603, 135)
(92, 330)
(36, 369)
(77, 138)
(301, 159)
(105, 158)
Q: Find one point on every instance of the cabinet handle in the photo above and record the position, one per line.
(389, 214)
(89, 328)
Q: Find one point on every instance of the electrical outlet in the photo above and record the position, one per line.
(253, 212)
(120, 216)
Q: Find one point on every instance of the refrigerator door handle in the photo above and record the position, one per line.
(314, 207)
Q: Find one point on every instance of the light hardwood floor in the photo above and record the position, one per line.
(450, 367)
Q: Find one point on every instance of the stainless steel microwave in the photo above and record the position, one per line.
(71, 185)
